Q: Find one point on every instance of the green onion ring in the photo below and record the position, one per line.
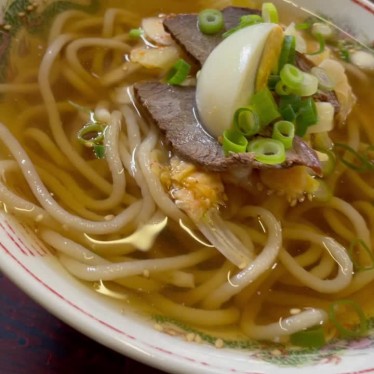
(178, 72)
(95, 131)
(269, 13)
(291, 76)
(210, 21)
(284, 131)
(344, 332)
(282, 89)
(246, 121)
(234, 141)
(267, 151)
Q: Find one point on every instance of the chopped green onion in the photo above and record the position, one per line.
(284, 131)
(322, 44)
(250, 19)
(308, 87)
(291, 76)
(178, 72)
(282, 89)
(288, 113)
(327, 160)
(267, 151)
(245, 21)
(345, 55)
(323, 29)
(288, 52)
(210, 21)
(343, 51)
(293, 100)
(313, 337)
(269, 13)
(234, 141)
(324, 81)
(306, 116)
(360, 163)
(272, 81)
(91, 134)
(302, 26)
(136, 33)
(99, 150)
(357, 266)
(345, 332)
(265, 106)
(246, 121)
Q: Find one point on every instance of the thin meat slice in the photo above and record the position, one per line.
(185, 31)
(173, 110)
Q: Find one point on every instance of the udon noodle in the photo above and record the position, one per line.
(112, 220)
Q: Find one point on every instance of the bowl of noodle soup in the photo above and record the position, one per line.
(169, 257)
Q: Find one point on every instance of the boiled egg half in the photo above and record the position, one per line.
(236, 68)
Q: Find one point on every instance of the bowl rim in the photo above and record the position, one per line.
(37, 288)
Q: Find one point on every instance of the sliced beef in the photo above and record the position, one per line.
(173, 110)
(185, 31)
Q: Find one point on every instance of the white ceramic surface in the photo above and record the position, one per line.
(29, 264)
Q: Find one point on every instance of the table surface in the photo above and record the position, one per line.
(34, 341)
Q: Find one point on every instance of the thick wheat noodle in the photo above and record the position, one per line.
(49, 204)
(134, 141)
(108, 26)
(116, 270)
(46, 144)
(61, 193)
(61, 20)
(345, 266)
(264, 261)
(55, 120)
(84, 88)
(338, 225)
(73, 48)
(17, 204)
(286, 326)
(359, 184)
(200, 292)
(368, 209)
(109, 20)
(160, 197)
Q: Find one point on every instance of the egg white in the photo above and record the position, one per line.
(228, 77)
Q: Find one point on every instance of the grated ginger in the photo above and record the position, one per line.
(294, 183)
(193, 191)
